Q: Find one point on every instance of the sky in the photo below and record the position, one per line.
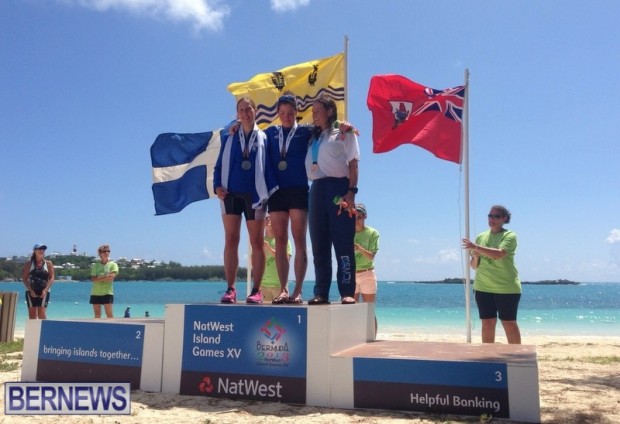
(87, 85)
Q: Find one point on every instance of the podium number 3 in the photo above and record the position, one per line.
(498, 376)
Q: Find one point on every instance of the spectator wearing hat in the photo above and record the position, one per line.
(366, 245)
(102, 275)
(38, 277)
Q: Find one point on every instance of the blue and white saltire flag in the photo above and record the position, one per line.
(183, 169)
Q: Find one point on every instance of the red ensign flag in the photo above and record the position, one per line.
(405, 112)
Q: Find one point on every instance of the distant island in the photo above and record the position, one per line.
(77, 268)
(560, 282)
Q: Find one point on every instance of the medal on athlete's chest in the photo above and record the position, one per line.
(246, 147)
(316, 145)
(284, 145)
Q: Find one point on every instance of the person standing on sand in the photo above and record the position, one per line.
(102, 275)
(270, 285)
(497, 286)
(38, 277)
(366, 245)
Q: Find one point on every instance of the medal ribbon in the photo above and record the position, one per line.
(247, 147)
(316, 144)
(284, 145)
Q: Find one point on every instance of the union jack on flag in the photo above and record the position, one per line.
(449, 102)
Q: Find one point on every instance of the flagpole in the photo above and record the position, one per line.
(346, 78)
(249, 285)
(465, 136)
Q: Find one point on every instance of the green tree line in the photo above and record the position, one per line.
(79, 270)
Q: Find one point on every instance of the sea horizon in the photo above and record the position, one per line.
(404, 309)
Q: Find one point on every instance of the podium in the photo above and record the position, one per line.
(448, 378)
(314, 355)
(94, 350)
(261, 352)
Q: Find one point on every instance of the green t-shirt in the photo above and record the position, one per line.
(270, 277)
(368, 238)
(98, 269)
(498, 275)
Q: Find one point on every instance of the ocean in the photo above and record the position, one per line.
(403, 308)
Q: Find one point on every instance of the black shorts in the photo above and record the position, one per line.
(102, 300)
(241, 204)
(285, 199)
(36, 302)
(493, 305)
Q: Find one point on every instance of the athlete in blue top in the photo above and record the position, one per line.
(287, 145)
(240, 184)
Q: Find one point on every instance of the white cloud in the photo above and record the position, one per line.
(286, 5)
(206, 253)
(449, 256)
(204, 14)
(614, 236)
(443, 256)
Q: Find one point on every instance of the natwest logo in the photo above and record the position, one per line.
(241, 387)
(205, 385)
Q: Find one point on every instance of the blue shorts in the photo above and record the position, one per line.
(285, 199)
(493, 305)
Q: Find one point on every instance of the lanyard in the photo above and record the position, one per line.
(316, 144)
(284, 145)
(247, 147)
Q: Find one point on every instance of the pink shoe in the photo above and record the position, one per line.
(255, 297)
(230, 296)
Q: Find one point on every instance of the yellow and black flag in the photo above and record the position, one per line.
(307, 81)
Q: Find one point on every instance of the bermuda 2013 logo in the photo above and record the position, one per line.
(272, 348)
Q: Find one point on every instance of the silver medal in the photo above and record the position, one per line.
(246, 165)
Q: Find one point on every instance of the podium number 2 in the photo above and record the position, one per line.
(138, 334)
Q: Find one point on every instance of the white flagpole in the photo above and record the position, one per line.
(465, 147)
(249, 285)
(346, 78)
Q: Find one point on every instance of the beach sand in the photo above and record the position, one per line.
(579, 379)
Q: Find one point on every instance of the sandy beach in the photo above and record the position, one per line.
(579, 379)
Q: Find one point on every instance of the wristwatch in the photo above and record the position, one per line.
(353, 190)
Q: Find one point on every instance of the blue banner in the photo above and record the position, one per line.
(450, 373)
(95, 343)
(248, 340)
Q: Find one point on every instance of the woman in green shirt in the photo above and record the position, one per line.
(497, 286)
(102, 275)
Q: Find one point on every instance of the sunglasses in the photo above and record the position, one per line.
(104, 251)
(495, 216)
